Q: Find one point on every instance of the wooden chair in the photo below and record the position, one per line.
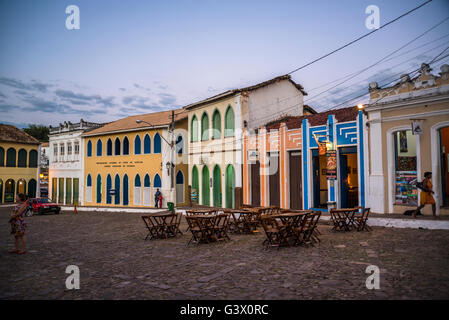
(310, 234)
(195, 229)
(174, 224)
(275, 233)
(221, 226)
(339, 220)
(361, 219)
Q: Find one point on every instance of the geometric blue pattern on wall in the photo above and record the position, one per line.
(347, 133)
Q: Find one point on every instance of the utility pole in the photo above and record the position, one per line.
(172, 156)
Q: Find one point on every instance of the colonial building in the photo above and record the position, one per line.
(215, 135)
(66, 158)
(44, 165)
(127, 160)
(311, 161)
(408, 134)
(19, 164)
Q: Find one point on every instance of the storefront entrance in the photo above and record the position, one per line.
(255, 183)
(444, 160)
(349, 187)
(295, 178)
(319, 175)
(275, 190)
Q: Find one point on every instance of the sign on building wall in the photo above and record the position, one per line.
(253, 156)
(417, 127)
(194, 195)
(331, 165)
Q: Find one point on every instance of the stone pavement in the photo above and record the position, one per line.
(116, 263)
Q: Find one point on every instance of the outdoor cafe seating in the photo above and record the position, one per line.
(162, 225)
(348, 219)
(290, 228)
(207, 228)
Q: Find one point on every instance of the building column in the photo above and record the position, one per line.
(305, 165)
(282, 166)
(264, 169)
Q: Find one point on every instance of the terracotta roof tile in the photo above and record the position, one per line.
(342, 115)
(9, 133)
(129, 123)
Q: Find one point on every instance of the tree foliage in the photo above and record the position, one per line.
(39, 132)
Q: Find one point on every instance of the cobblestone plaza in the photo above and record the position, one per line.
(116, 263)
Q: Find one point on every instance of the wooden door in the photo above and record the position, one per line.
(255, 184)
(274, 180)
(295, 179)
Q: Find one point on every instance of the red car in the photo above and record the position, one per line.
(43, 205)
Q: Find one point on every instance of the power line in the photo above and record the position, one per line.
(380, 61)
(359, 38)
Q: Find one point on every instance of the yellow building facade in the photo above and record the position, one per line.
(19, 154)
(125, 162)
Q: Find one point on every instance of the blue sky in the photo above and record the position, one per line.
(132, 57)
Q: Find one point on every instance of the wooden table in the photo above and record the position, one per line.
(244, 221)
(160, 225)
(293, 224)
(208, 227)
(343, 219)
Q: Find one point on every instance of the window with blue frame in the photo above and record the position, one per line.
(125, 146)
(157, 181)
(146, 181)
(109, 147)
(117, 189)
(179, 144)
(108, 189)
(137, 182)
(99, 189)
(147, 144)
(157, 143)
(125, 190)
(137, 145)
(89, 148)
(99, 148)
(89, 181)
(117, 147)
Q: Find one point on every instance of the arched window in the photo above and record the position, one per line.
(89, 181)
(147, 144)
(109, 147)
(157, 143)
(99, 148)
(179, 187)
(11, 158)
(146, 181)
(125, 190)
(137, 145)
(108, 189)
(88, 188)
(137, 182)
(157, 181)
(89, 148)
(216, 125)
(229, 122)
(2, 158)
(33, 159)
(32, 186)
(179, 177)
(126, 146)
(117, 147)
(194, 129)
(22, 159)
(179, 144)
(98, 188)
(117, 189)
(205, 127)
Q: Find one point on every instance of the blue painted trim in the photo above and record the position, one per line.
(362, 160)
(333, 140)
(319, 209)
(305, 154)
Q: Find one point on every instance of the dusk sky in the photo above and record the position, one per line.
(132, 57)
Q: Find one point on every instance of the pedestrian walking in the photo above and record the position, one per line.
(18, 225)
(426, 195)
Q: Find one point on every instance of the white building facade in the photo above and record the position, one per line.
(66, 162)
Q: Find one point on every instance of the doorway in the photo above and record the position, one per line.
(295, 178)
(217, 186)
(349, 180)
(444, 160)
(319, 165)
(255, 183)
(274, 179)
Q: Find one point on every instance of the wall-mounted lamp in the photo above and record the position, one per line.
(361, 107)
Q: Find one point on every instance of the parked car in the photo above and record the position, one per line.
(43, 205)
